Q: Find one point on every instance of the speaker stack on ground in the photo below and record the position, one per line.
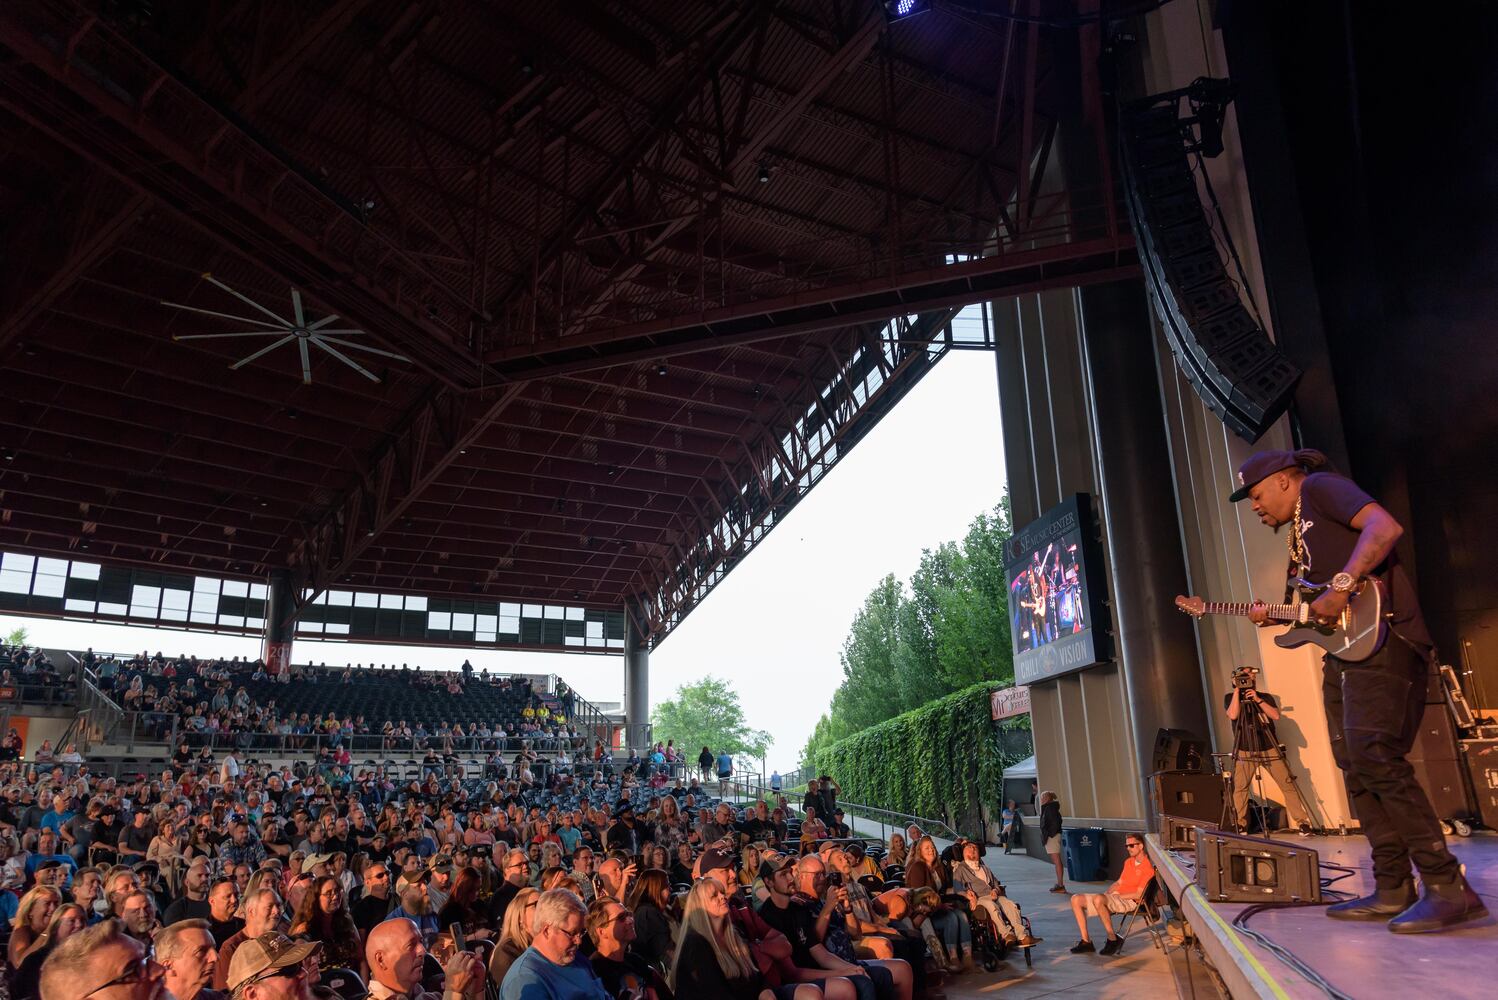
(1438, 760)
(1228, 359)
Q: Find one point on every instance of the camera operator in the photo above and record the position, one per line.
(1255, 745)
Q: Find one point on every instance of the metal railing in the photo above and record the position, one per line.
(890, 819)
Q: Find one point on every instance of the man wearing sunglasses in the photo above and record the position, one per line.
(101, 963)
(1123, 896)
(270, 967)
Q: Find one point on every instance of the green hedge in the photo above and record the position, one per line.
(943, 761)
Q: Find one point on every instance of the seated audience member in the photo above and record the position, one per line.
(188, 957)
(324, 917)
(272, 967)
(515, 935)
(983, 890)
(193, 903)
(396, 954)
(1123, 896)
(611, 928)
(830, 907)
(262, 915)
(223, 907)
(553, 967)
(653, 932)
(713, 960)
(375, 901)
(100, 954)
(67, 920)
(415, 903)
(926, 870)
(32, 917)
(895, 853)
(462, 907)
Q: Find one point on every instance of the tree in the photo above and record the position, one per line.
(18, 637)
(908, 646)
(708, 713)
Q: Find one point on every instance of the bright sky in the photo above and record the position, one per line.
(775, 626)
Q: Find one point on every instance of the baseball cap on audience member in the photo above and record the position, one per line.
(441, 863)
(774, 863)
(412, 878)
(712, 859)
(313, 860)
(266, 953)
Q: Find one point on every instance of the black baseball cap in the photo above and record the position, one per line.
(1258, 467)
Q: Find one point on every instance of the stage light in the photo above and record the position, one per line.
(660, 369)
(897, 9)
(764, 175)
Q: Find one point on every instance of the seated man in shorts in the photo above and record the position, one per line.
(1122, 896)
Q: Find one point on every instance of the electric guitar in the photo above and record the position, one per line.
(1356, 634)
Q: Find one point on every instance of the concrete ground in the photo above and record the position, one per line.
(1141, 971)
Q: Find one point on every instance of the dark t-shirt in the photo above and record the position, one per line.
(370, 910)
(224, 930)
(1253, 736)
(186, 909)
(1328, 503)
(633, 972)
(799, 925)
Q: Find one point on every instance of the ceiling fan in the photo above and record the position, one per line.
(285, 331)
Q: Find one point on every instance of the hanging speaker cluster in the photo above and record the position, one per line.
(1228, 359)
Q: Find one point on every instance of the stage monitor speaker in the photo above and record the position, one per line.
(1481, 757)
(1178, 750)
(1235, 869)
(1228, 360)
(1187, 794)
(1178, 833)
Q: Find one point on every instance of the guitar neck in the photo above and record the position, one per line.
(1277, 612)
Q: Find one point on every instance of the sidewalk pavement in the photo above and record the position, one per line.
(1141, 971)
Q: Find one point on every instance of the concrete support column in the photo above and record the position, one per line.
(1156, 643)
(280, 623)
(636, 682)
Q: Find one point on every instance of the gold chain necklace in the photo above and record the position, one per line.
(1295, 541)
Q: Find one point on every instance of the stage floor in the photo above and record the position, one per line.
(1359, 959)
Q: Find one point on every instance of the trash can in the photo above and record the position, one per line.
(1086, 853)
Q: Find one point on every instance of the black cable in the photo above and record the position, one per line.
(1285, 955)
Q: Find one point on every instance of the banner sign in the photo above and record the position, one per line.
(1010, 701)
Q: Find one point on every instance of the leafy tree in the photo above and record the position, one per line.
(18, 637)
(909, 647)
(708, 713)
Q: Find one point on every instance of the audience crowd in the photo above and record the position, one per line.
(218, 876)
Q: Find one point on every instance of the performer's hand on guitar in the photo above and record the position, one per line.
(1258, 612)
(1329, 606)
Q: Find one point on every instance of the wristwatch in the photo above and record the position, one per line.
(1343, 583)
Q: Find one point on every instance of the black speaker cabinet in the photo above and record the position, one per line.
(1179, 834)
(1438, 766)
(1234, 869)
(1193, 795)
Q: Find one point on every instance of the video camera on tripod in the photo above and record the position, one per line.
(1245, 678)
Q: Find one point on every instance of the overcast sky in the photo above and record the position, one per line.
(775, 626)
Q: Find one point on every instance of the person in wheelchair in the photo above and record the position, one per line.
(976, 882)
(1123, 896)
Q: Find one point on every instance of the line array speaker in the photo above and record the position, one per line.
(1231, 363)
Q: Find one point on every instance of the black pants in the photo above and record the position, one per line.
(1373, 711)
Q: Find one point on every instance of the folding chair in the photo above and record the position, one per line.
(1149, 906)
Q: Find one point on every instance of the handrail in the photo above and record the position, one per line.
(925, 823)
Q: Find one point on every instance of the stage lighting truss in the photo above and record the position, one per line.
(297, 330)
(897, 10)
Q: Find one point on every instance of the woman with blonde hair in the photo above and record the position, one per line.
(66, 921)
(749, 868)
(714, 960)
(515, 934)
(896, 853)
(33, 914)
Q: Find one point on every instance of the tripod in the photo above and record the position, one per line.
(1256, 745)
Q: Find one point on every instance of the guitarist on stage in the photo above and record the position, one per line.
(1338, 535)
